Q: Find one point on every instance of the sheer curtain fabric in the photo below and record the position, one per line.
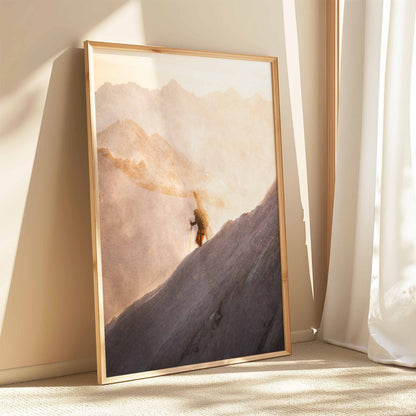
(370, 304)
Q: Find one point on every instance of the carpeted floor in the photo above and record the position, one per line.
(317, 379)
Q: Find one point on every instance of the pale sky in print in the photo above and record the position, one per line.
(199, 75)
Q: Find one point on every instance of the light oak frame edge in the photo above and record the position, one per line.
(95, 222)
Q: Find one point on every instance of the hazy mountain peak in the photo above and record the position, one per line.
(173, 85)
(128, 124)
(221, 97)
(257, 97)
(233, 92)
(125, 144)
(173, 81)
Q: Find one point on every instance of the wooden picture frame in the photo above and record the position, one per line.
(210, 140)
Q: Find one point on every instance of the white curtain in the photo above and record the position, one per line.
(370, 304)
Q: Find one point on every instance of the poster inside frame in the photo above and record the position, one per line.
(187, 209)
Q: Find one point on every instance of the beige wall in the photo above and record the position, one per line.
(310, 18)
(46, 290)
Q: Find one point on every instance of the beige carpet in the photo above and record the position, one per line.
(317, 379)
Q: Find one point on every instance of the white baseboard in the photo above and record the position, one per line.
(64, 368)
(37, 372)
(303, 335)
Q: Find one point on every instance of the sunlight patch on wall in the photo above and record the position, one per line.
(295, 91)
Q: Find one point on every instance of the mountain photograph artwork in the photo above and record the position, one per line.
(191, 262)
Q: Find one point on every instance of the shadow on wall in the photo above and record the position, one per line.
(36, 32)
(41, 29)
(52, 277)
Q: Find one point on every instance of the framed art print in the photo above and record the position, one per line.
(187, 208)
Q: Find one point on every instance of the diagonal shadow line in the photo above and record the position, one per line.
(52, 274)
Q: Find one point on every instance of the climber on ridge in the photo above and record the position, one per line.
(201, 221)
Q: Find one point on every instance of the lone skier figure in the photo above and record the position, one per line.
(201, 221)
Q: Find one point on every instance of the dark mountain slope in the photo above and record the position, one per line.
(222, 301)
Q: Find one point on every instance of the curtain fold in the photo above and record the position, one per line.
(392, 314)
(371, 295)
